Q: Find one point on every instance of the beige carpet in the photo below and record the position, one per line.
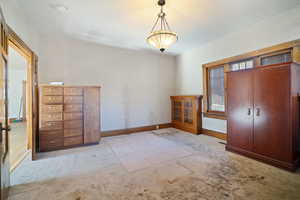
(162, 165)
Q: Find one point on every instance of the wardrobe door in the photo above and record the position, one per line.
(91, 115)
(240, 110)
(272, 135)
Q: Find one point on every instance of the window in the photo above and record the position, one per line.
(276, 59)
(216, 90)
(242, 65)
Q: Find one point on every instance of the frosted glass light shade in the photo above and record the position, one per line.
(162, 39)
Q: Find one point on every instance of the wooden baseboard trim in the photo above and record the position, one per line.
(216, 134)
(134, 130)
(67, 147)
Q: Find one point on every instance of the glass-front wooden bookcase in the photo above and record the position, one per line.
(186, 113)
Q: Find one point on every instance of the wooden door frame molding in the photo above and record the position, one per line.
(21, 47)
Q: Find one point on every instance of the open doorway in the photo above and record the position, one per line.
(17, 106)
(22, 99)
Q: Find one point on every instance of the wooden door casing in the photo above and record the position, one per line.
(240, 109)
(4, 137)
(35, 106)
(15, 42)
(272, 134)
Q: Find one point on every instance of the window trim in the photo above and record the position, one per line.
(292, 46)
(207, 112)
(261, 57)
(244, 60)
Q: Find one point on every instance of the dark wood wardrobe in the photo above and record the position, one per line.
(263, 114)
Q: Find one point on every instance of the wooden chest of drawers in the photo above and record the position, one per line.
(69, 116)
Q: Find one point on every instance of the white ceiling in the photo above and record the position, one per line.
(126, 23)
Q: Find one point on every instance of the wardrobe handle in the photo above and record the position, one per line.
(257, 112)
(249, 111)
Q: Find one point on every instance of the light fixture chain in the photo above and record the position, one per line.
(168, 25)
(161, 22)
(156, 22)
(165, 24)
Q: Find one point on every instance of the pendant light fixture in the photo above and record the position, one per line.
(161, 35)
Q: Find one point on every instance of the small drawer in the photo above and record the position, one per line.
(73, 91)
(73, 108)
(51, 117)
(73, 116)
(52, 108)
(52, 99)
(72, 141)
(51, 126)
(73, 124)
(53, 134)
(51, 144)
(52, 91)
(50, 135)
(73, 99)
(73, 132)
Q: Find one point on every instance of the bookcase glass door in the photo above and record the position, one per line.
(188, 111)
(177, 105)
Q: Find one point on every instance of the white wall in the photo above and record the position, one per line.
(17, 20)
(277, 29)
(124, 74)
(17, 66)
(136, 85)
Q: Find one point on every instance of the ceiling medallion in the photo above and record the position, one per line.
(161, 35)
